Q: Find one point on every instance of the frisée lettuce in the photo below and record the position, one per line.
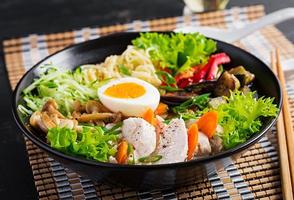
(241, 116)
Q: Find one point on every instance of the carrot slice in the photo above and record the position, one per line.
(161, 109)
(122, 152)
(208, 123)
(192, 140)
(149, 117)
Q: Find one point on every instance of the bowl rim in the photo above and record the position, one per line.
(224, 154)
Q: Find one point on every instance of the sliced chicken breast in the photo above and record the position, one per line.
(159, 127)
(173, 145)
(204, 147)
(141, 135)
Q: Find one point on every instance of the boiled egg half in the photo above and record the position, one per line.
(130, 96)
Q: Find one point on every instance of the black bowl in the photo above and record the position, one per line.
(145, 176)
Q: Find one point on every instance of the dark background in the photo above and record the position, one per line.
(22, 17)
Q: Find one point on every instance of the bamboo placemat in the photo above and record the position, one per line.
(254, 176)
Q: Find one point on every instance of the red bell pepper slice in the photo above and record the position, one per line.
(207, 72)
(186, 78)
(184, 82)
(201, 74)
(187, 74)
(216, 60)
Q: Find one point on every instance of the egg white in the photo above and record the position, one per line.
(131, 106)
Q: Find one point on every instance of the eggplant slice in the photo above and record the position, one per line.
(227, 82)
(176, 98)
(237, 78)
(244, 76)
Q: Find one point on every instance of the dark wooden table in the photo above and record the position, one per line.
(19, 18)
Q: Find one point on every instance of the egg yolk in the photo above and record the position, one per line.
(125, 90)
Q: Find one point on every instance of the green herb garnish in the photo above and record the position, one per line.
(170, 88)
(168, 80)
(166, 77)
(200, 101)
(150, 159)
(124, 70)
(131, 152)
(114, 129)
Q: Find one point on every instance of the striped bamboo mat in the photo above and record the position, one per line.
(254, 176)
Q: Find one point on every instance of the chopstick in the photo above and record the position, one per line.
(287, 116)
(284, 133)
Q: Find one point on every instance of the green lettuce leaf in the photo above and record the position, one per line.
(91, 142)
(241, 117)
(177, 51)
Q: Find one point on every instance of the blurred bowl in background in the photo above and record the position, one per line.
(194, 6)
